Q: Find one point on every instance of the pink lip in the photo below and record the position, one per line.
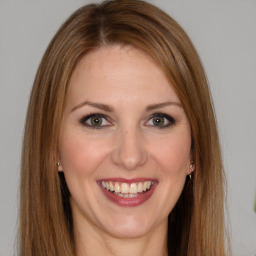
(128, 202)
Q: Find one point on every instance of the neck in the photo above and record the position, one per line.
(92, 241)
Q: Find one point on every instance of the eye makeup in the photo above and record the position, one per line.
(160, 121)
(95, 121)
(99, 121)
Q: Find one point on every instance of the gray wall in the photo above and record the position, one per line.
(224, 32)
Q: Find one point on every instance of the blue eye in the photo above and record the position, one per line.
(95, 121)
(160, 120)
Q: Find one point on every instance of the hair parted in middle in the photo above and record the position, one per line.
(196, 224)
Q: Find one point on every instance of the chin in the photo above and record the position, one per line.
(129, 227)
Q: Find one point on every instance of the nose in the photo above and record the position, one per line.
(130, 151)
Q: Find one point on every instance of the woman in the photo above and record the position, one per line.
(121, 153)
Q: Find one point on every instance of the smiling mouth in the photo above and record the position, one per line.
(126, 190)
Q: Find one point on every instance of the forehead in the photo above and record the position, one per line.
(119, 70)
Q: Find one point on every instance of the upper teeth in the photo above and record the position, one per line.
(126, 188)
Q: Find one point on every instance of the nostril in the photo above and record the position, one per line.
(129, 162)
(130, 152)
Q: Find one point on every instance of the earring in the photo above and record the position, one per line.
(59, 168)
(192, 168)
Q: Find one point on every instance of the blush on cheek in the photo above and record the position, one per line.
(79, 155)
(174, 157)
(71, 154)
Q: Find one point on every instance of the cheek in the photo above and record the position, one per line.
(173, 154)
(79, 154)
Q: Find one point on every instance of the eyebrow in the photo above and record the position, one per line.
(161, 105)
(110, 109)
(95, 105)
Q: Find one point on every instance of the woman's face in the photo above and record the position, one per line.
(124, 145)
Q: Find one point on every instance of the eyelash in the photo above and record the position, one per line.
(97, 115)
(171, 121)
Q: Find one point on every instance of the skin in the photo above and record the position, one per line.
(128, 144)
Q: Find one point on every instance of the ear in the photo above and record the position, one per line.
(60, 169)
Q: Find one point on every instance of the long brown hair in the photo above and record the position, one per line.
(196, 224)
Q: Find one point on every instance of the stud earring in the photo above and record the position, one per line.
(58, 164)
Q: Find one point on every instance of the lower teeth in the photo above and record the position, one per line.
(129, 195)
(126, 195)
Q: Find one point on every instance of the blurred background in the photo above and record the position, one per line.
(224, 33)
